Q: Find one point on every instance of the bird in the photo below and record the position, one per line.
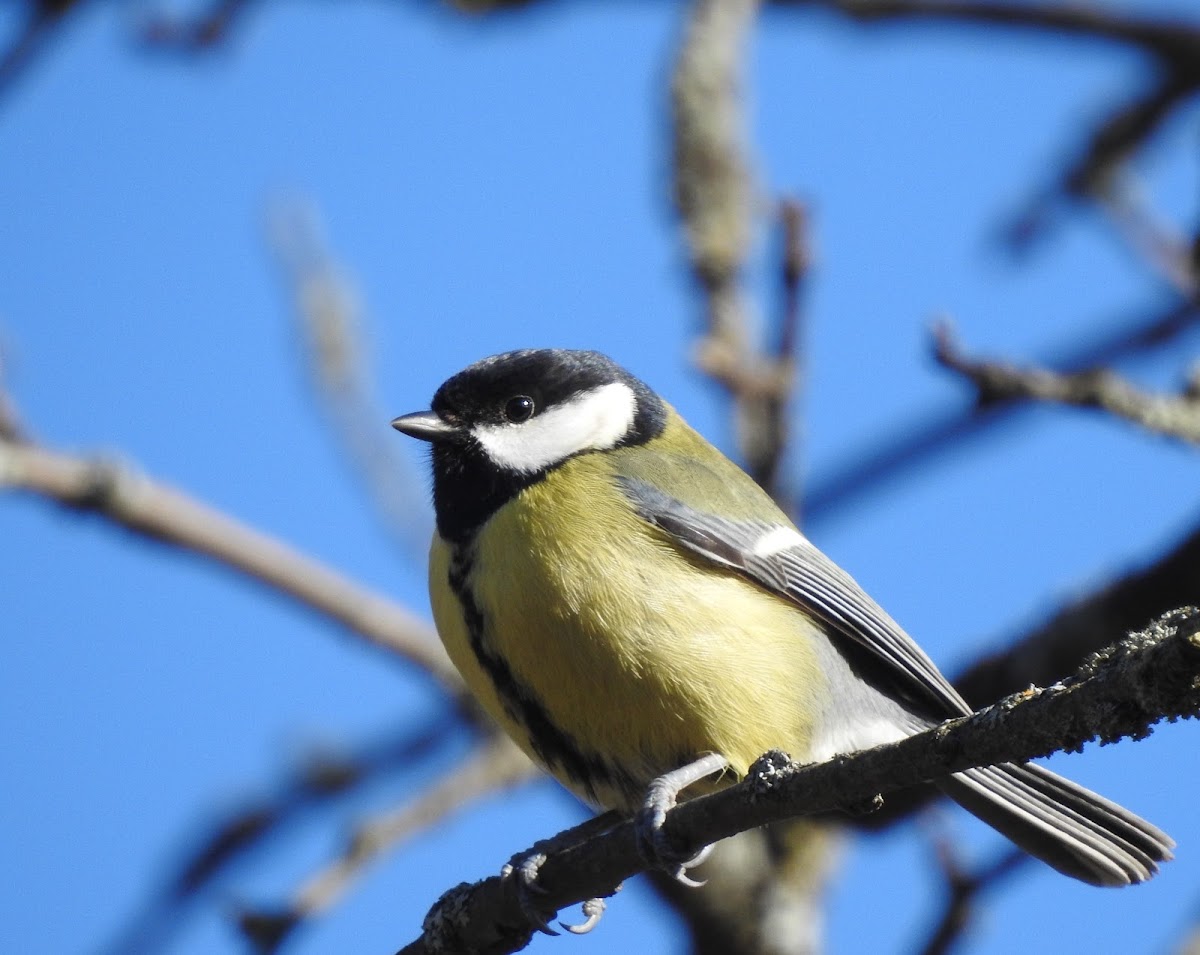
(639, 615)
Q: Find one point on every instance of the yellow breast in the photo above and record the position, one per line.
(610, 655)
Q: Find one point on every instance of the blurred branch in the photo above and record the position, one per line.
(939, 432)
(164, 514)
(963, 889)
(43, 18)
(713, 195)
(495, 765)
(1123, 692)
(1055, 648)
(1191, 942)
(323, 778)
(11, 431)
(1171, 40)
(1176, 416)
(330, 319)
(711, 179)
(777, 411)
(195, 35)
(1106, 148)
(1164, 249)
(1172, 46)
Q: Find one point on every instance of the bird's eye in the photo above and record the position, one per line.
(519, 409)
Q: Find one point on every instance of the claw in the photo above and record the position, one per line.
(660, 799)
(592, 909)
(524, 868)
(680, 875)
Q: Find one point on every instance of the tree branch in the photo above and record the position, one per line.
(197, 34)
(1054, 649)
(1176, 416)
(936, 433)
(1171, 40)
(495, 765)
(1122, 692)
(963, 888)
(331, 324)
(713, 194)
(169, 516)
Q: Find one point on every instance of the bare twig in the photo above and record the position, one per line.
(11, 431)
(1151, 676)
(713, 195)
(963, 889)
(1106, 148)
(196, 35)
(1166, 39)
(331, 323)
(1176, 416)
(495, 765)
(164, 514)
(238, 836)
(1172, 46)
(777, 411)
(711, 179)
(1166, 250)
(43, 18)
(935, 433)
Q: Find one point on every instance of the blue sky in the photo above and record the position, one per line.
(491, 185)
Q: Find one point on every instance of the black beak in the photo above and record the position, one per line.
(425, 425)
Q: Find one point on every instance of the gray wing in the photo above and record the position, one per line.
(766, 553)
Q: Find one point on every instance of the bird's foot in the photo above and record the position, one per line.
(525, 866)
(660, 799)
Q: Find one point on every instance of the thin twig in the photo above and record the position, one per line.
(1164, 249)
(1176, 416)
(934, 433)
(1172, 40)
(43, 18)
(331, 324)
(713, 190)
(11, 430)
(161, 513)
(250, 829)
(197, 34)
(1172, 45)
(495, 765)
(1103, 154)
(963, 889)
(777, 409)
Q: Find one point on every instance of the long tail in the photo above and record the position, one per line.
(1075, 831)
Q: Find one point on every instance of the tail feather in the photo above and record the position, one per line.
(1071, 829)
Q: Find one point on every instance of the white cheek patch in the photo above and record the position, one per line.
(778, 539)
(591, 421)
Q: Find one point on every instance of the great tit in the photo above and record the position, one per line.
(627, 603)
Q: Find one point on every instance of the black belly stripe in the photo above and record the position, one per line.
(555, 747)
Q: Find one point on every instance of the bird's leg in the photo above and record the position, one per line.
(524, 868)
(660, 799)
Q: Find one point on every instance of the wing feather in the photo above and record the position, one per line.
(802, 574)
